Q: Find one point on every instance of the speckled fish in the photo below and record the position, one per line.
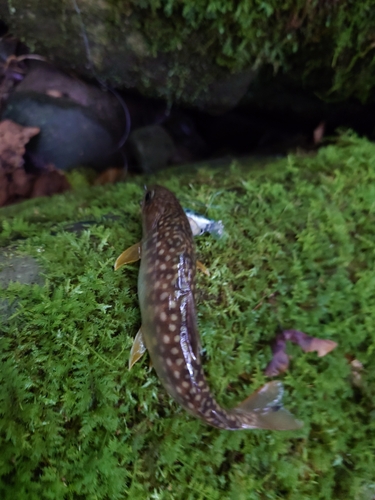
(169, 332)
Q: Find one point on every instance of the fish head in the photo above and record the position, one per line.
(157, 202)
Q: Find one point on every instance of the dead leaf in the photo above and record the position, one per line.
(319, 132)
(51, 182)
(110, 176)
(15, 183)
(13, 138)
(54, 93)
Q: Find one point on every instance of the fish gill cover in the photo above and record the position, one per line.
(75, 423)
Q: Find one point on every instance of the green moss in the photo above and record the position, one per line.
(75, 423)
(326, 47)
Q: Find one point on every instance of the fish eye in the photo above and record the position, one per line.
(148, 196)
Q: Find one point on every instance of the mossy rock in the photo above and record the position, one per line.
(177, 49)
(70, 134)
(299, 252)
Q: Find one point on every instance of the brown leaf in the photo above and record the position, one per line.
(15, 183)
(51, 182)
(110, 176)
(13, 138)
(319, 132)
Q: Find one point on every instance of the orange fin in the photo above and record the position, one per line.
(202, 268)
(131, 254)
(265, 404)
(138, 349)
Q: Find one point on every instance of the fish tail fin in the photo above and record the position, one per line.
(263, 410)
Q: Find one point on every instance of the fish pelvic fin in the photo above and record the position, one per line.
(138, 349)
(264, 410)
(131, 254)
(202, 268)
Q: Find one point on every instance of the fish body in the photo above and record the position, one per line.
(166, 287)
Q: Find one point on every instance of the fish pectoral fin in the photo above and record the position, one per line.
(265, 404)
(202, 268)
(138, 349)
(131, 254)
(195, 229)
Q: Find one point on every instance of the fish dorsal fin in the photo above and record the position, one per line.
(131, 254)
(265, 404)
(138, 349)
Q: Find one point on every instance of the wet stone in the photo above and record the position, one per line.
(151, 148)
(7, 309)
(70, 134)
(23, 269)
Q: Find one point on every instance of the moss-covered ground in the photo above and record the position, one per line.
(299, 252)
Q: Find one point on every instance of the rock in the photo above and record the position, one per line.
(140, 47)
(190, 146)
(224, 95)
(151, 148)
(46, 79)
(7, 309)
(177, 50)
(70, 134)
(23, 269)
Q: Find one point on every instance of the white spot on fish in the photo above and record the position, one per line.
(163, 296)
(179, 361)
(174, 317)
(161, 251)
(174, 350)
(172, 327)
(163, 267)
(185, 384)
(169, 362)
(163, 316)
(172, 304)
(176, 374)
(166, 339)
(177, 338)
(158, 244)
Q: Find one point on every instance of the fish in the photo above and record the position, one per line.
(169, 331)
